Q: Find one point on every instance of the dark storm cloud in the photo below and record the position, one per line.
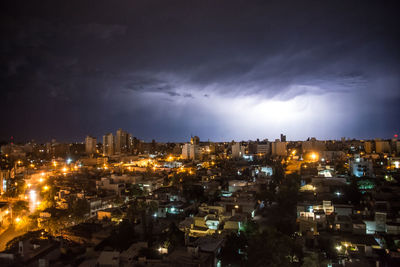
(79, 67)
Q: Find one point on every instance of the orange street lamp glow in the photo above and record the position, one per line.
(45, 188)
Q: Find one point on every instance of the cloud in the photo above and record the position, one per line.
(151, 60)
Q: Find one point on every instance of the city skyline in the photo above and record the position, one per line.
(228, 71)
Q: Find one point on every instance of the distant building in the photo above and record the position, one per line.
(312, 145)
(194, 151)
(4, 176)
(90, 145)
(368, 147)
(122, 141)
(283, 138)
(185, 151)
(190, 151)
(278, 148)
(238, 151)
(195, 140)
(263, 149)
(382, 146)
(361, 167)
(108, 145)
(398, 147)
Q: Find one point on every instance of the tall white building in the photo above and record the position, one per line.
(90, 145)
(190, 151)
(186, 151)
(194, 151)
(237, 151)
(278, 148)
(108, 145)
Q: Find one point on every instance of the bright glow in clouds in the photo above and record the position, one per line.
(255, 116)
(219, 115)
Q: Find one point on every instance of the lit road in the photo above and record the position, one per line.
(8, 235)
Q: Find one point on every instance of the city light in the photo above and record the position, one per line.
(45, 188)
(17, 220)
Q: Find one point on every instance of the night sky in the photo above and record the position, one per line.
(221, 70)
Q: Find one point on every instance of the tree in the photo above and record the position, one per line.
(233, 252)
(134, 190)
(124, 235)
(311, 261)
(270, 248)
(193, 192)
(174, 237)
(19, 207)
(79, 208)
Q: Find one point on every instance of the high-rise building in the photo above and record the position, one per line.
(283, 138)
(238, 151)
(186, 151)
(278, 148)
(90, 145)
(195, 140)
(190, 151)
(121, 142)
(108, 145)
(312, 145)
(194, 152)
(398, 147)
(368, 147)
(263, 148)
(382, 146)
